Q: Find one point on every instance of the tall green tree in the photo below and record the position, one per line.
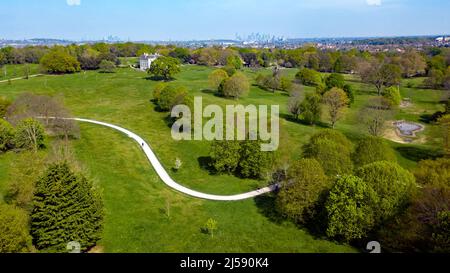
(373, 149)
(225, 155)
(253, 162)
(67, 208)
(393, 184)
(311, 108)
(60, 61)
(216, 78)
(332, 150)
(165, 67)
(309, 77)
(301, 193)
(335, 80)
(171, 96)
(350, 209)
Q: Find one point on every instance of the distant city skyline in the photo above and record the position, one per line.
(174, 20)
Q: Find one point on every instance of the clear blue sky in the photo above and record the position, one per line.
(208, 19)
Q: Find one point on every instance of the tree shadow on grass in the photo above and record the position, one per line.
(302, 122)
(431, 118)
(417, 154)
(158, 79)
(205, 163)
(266, 206)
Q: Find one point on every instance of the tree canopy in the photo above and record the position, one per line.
(393, 184)
(60, 61)
(373, 149)
(301, 192)
(332, 150)
(165, 67)
(350, 209)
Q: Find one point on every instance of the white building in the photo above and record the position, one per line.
(145, 61)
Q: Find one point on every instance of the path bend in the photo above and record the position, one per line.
(165, 177)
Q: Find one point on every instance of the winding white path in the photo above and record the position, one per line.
(22, 78)
(165, 176)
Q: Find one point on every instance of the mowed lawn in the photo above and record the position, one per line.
(13, 71)
(136, 200)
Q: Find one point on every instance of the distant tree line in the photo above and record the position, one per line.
(378, 68)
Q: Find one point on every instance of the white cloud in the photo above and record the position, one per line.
(73, 2)
(373, 2)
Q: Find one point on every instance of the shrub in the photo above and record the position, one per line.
(66, 208)
(253, 162)
(301, 192)
(373, 149)
(285, 84)
(6, 135)
(348, 89)
(157, 91)
(335, 80)
(171, 96)
(433, 172)
(243, 158)
(30, 134)
(332, 150)
(14, 233)
(4, 104)
(392, 94)
(309, 77)
(225, 156)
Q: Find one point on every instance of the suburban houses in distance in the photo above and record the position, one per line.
(145, 61)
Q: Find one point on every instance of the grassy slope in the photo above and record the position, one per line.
(17, 71)
(135, 198)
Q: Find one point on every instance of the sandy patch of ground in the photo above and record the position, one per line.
(392, 133)
(97, 250)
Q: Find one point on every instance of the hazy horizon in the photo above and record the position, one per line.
(181, 20)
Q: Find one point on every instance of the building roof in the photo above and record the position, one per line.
(147, 56)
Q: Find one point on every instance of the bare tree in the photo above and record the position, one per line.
(374, 115)
(56, 118)
(294, 104)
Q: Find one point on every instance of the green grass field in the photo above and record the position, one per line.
(135, 198)
(17, 71)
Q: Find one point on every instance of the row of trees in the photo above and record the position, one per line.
(351, 193)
